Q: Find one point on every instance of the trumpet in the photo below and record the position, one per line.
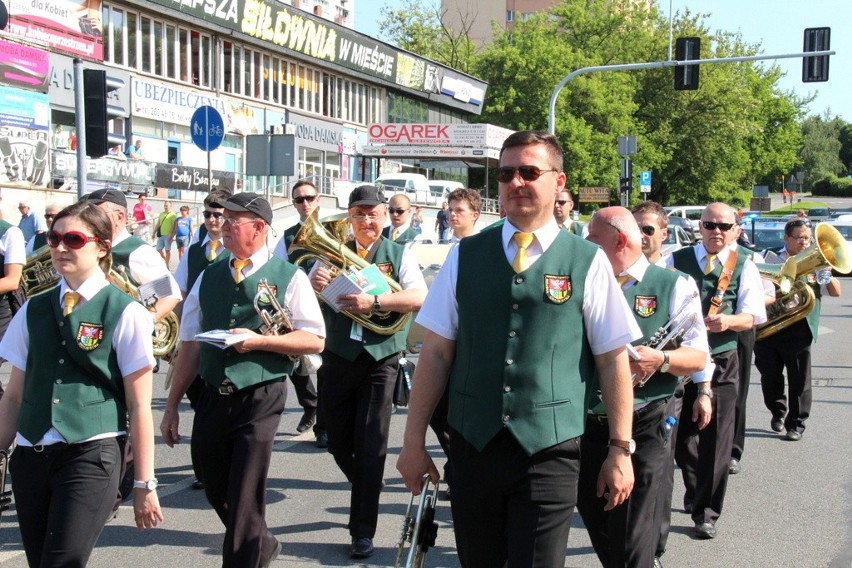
(669, 334)
(278, 320)
(419, 530)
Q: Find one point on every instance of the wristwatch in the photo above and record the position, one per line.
(629, 446)
(150, 485)
(377, 306)
(707, 391)
(664, 368)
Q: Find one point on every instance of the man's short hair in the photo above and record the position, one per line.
(465, 194)
(304, 182)
(652, 207)
(216, 197)
(530, 137)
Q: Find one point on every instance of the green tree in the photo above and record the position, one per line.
(846, 147)
(820, 149)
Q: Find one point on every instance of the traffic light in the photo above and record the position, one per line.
(97, 86)
(4, 16)
(686, 76)
(815, 69)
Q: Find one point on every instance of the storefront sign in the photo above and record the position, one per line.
(61, 88)
(69, 26)
(470, 135)
(315, 133)
(105, 169)
(594, 194)
(192, 179)
(435, 152)
(23, 66)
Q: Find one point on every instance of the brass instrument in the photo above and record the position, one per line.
(828, 250)
(39, 275)
(5, 495)
(278, 320)
(315, 242)
(420, 529)
(669, 333)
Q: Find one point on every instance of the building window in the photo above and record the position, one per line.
(510, 15)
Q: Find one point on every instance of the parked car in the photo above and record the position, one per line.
(765, 232)
(691, 213)
(677, 239)
(415, 186)
(439, 189)
(683, 224)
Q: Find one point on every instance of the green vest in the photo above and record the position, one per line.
(39, 240)
(58, 391)
(339, 327)
(196, 261)
(522, 359)
(406, 236)
(226, 305)
(289, 237)
(685, 261)
(122, 251)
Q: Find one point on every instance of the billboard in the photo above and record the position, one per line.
(68, 26)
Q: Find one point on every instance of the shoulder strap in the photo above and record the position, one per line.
(724, 281)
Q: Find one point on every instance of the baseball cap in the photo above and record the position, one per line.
(107, 196)
(250, 202)
(366, 195)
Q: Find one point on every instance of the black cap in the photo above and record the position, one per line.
(366, 195)
(251, 202)
(107, 196)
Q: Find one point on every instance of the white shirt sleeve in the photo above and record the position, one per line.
(146, 265)
(16, 342)
(190, 321)
(182, 273)
(132, 339)
(304, 306)
(609, 322)
(695, 336)
(281, 250)
(750, 293)
(440, 310)
(14, 246)
(410, 275)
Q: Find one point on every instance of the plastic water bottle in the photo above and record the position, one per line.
(667, 427)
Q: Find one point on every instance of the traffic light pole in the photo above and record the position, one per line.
(80, 126)
(551, 124)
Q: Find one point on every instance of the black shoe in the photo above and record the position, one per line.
(705, 530)
(777, 425)
(197, 484)
(273, 556)
(362, 547)
(156, 368)
(322, 440)
(687, 506)
(734, 466)
(657, 562)
(793, 435)
(308, 419)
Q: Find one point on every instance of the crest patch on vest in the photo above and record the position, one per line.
(645, 306)
(385, 268)
(812, 278)
(557, 288)
(264, 296)
(89, 336)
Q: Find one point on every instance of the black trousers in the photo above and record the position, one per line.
(232, 439)
(663, 511)
(64, 495)
(441, 427)
(511, 509)
(306, 393)
(628, 534)
(704, 455)
(788, 349)
(357, 398)
(745, 349)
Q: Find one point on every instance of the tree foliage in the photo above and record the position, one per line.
(820, 149)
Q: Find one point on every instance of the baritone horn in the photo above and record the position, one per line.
(828, 251)
(419, 529)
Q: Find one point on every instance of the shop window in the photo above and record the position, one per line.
(170, 52)
(145, 36)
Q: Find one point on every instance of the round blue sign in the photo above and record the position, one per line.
(207, 128)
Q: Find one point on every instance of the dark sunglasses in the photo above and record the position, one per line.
(394, 211)
(214, 214)
(649, 230)
(527, 173)
(302, 198)
(711, 226)
(72, 239)
(49, 215)
(561, 202)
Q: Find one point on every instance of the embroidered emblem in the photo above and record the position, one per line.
(645, 306)
(812, 278)
(263, 298)
(385, 268)
(89, 336)
(557, 288)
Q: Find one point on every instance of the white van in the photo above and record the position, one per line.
(439, 189)
(691, 213)
(415, 186)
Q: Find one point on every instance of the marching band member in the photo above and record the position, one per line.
(91, 371)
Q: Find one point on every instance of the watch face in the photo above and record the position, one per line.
(631, 446)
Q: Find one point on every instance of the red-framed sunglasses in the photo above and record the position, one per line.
(72, 239)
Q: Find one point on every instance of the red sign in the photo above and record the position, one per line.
(409, 133)
(72, 27)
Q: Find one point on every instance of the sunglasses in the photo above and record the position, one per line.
(562, 202)
(302, 198)
(527, 173)
(711, 226)
(394, 211)
(214, 214)
(49, 215)
(72, 239)
(649, 230)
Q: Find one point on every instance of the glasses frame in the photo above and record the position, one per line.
(398, 211)
(712, 226)
(648, 230)
(365, 218)
(55, 238)
(302, 198)
(215, 214)
(233, 221)
(506, 174)
(563, 202)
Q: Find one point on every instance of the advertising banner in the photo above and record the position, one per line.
(69, 26)
(24, 123)
(594, 194)
(192, 179)
(23, 66)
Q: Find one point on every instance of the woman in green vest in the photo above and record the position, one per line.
(68, 402)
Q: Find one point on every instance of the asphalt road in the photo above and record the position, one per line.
(791, 506)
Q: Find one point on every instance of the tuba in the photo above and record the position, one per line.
(39, 275)
(419, 529)
(316, 242)
(829, 250)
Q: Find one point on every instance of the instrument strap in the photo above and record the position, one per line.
(724, 281)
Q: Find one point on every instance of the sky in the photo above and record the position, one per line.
(778, 25)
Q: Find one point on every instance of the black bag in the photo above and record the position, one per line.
(402, 388)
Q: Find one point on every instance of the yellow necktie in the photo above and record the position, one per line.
(213, 250)
(239, 265)
(394, 234)
(622, 280)
(69, 300)
(362, 252)
(711, 263)
(523, 240)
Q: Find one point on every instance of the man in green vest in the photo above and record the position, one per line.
(790, 347)
(562, 208)
(732, 301)
(628, 534)
(239, 409)
(400, 230)
(515, 329)
(360, 363)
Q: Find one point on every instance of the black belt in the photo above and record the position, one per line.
(48, 449)
(602, 418)
(228, 389)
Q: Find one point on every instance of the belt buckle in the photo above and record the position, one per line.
(38, 448)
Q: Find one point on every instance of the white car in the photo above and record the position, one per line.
(676, 240)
